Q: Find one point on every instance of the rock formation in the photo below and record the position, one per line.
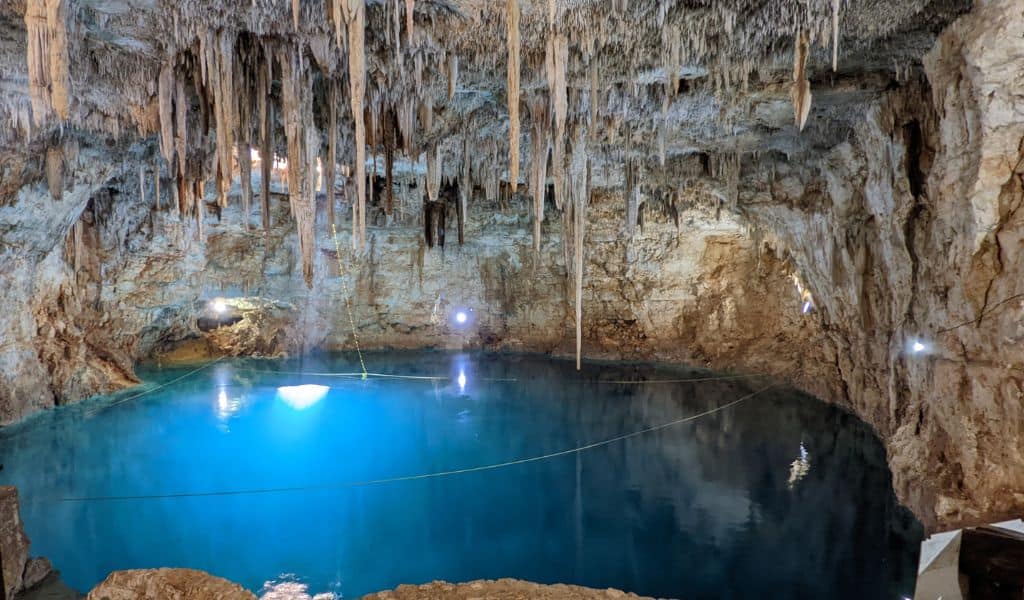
(693, 175)
(19, 572)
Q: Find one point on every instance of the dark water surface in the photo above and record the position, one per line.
(779, 496)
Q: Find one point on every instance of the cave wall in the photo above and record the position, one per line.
(909, 233)
(688, 292)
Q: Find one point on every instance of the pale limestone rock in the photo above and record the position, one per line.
(167, 584)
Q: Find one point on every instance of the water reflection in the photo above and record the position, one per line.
(708, 509)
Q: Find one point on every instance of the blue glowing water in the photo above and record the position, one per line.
(780, 496)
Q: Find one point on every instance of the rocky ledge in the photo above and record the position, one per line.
(188, 584)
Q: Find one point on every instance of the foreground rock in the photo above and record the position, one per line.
(167, 584)
(19, 572)
(502, 589)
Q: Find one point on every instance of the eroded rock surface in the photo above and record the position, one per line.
(501, 589)
(167, 584)
(20, 573)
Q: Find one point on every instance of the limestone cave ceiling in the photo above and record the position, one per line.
(665, 92)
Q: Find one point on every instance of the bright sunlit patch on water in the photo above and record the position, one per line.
(301, 397)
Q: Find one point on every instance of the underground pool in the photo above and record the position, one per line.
(303, 471)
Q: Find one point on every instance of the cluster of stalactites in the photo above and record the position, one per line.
(303, 142)
(48, 74)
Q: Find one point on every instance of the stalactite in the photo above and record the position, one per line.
(303, 145)
(332, 150)
(560, 104)
(355, 18)
(389, 181)
(800, 91)
(295, 14)
(156, 184)
(835, 34)
(634, 174)
(38, 52)
(410, 8)
(434, 172)
(181, 126)
(465, 187)
(47, 57)
(142, 184)
(538, 163)
(165, 100)
(55, 172)
(245, 178)
(453, 75)
(78, 242)
(663, 126)
(266, 75)
(220, 55)
(513, 43)
(244, 144)
(60, 79)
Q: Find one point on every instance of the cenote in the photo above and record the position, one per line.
(237, 471)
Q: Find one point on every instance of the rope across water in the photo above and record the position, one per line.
(449, 473)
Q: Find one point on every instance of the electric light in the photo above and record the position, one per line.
(918, 347)
(807, 307)
(301, 397)
(461, 317)
(462, 381)
(218, 305)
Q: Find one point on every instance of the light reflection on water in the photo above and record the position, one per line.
(715, 508)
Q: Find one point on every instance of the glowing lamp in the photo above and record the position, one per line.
(301, 397)
(460, 317)
(218, 305)
(918, 347)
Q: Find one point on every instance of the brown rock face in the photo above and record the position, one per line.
(13, 541)
(501, 589)
(167, 584)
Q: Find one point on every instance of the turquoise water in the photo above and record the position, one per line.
(778, 496)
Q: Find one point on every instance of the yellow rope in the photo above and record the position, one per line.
(348, 298)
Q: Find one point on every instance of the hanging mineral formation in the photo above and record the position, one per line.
(512, 16)
(55, 172)
(800, 91)
(355, 18)
(558, 51)
(538, 162)
(410, 9)
(332, 151)
(47, 54)
(303, 145)
(835, 34)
